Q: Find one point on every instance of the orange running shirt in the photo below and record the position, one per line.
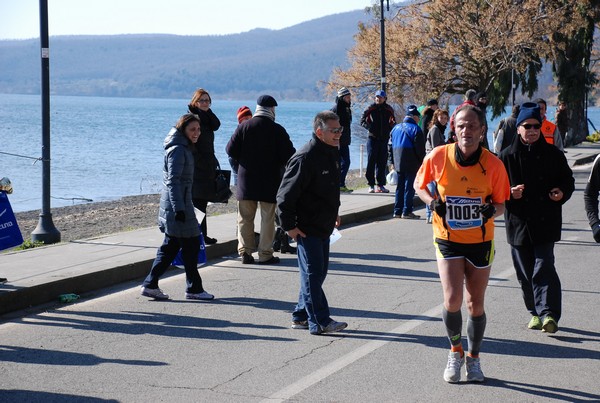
(464, 189)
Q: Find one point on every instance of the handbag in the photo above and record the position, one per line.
(178, 261)
(10, 234)
(222, 188)
(392, 178)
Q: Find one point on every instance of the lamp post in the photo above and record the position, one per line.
(45, 231)
(382, 29)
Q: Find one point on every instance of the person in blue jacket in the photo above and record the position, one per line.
(408, 151)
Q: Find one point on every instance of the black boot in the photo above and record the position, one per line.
(285, 244)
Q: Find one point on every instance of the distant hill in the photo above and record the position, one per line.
(286, 63)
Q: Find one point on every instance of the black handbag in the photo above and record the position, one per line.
(222, 185)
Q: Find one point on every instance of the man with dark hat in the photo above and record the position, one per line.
(408, 151)
(261, 147)
(343, 109)
(378, 119)
(541, 182)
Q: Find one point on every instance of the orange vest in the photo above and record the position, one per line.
(464, 189)
(548, 129)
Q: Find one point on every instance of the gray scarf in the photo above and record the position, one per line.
(265, 111)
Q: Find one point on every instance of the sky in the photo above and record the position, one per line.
(19, 19)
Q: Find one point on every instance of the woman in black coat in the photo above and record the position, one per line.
(206, 162)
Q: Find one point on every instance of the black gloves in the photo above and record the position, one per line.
(487, 210)
(439, 207)
(596, 231)
(180, 216)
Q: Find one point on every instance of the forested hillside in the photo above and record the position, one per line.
(288, 63)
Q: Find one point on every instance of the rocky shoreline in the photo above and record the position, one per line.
(90, 220)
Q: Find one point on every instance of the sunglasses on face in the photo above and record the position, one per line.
(335, 130)
(528, 126)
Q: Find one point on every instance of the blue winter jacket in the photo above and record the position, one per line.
(178, 175)
(408, 146)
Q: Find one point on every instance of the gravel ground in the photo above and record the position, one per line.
(82, 221)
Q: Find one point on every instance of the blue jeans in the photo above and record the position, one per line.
(377, 156)
(190, 247)
(405, 193)
(344, 164)
(431, 187)
(313, 262)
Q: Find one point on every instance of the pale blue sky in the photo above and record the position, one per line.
(19, 19)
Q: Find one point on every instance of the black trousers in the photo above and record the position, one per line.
(539, 281)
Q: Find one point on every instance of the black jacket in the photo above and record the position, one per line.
(205, 161)
(344, 112)
(309, 195)
(535, 218)
(379, 120)
(590, 194)
(261, 147)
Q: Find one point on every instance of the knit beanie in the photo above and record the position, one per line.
(243, 112)
(529, 110)
(412, 110)
(342, 92)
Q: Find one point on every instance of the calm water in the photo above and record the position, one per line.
(106, 148)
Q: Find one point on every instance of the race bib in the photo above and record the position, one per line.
(463, 212)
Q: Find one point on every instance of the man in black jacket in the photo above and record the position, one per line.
(541, 182)
(343, 109)
(261, 147)
(590, 197)
(308, 203)
(378, 119)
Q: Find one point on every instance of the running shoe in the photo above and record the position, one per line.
(371, 189)
(300, 324)
(344, 189)
(381, 189)
(332, 327)
(202, 296)
(535, 323)
(411, 216)
(452, 371)
(549, 325)
(474, 372)
(155, 293)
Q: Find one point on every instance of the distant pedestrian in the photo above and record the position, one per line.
(427, 114)
(243, 113)
(176, 218)
(262, 148)
(590, 197)
(408, 151)
(343, 108)
(379, 120)
(206, 163)
(471, 189)
(541, 182)
(435, 138)
(561, 120)
(482, 103)
(308, 207)
(506, 131)
(549, 130)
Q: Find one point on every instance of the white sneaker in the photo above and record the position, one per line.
(155, 293)
(371, 189)
(474, 372)
(203, 296)
(452, 371)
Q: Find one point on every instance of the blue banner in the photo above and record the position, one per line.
(10, 234)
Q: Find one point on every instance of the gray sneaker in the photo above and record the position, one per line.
(474, 372)
(155, 293)
(452, 371)
(332, 327)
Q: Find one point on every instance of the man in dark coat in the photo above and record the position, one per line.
(379, 120)
(261, 147)
(343, 109)
(308, 203)
(541, 182)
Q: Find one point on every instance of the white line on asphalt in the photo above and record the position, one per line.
(365, 349)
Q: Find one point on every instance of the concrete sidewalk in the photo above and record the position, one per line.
(37, 276)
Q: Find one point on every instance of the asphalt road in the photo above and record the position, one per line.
(116, 345)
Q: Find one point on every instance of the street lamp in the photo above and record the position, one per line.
(382, 23)
(45, 231)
